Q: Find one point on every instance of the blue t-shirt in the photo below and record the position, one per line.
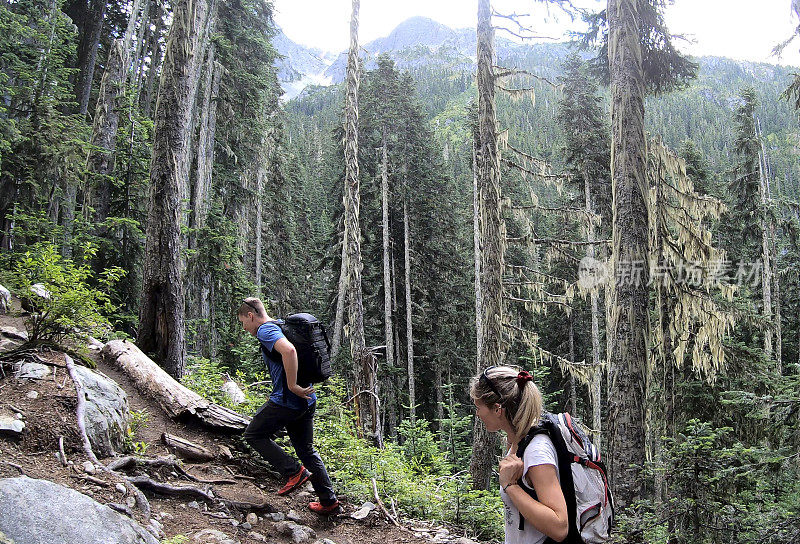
(268, 334)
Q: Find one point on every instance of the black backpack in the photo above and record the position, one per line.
(307, 335)
(590, 506)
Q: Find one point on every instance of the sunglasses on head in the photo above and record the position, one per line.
(485, 378)
(252, 306)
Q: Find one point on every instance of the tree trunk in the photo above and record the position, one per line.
(387, 275)
(629, 325)
(476, 237)
(491, 236)
(412, 395)
(201, 194)
(100, 164)
(87, 52)
(595, 393)
(261, 174)
(766, 243)
(362, 361)
(161, 315)
(338, 323)
(394, 305)
(776, 291)
(142, 39)
(573, 393)
(200, 203)
(437, 374)
(155, 61)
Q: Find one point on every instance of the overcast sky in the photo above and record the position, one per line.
(739, 29)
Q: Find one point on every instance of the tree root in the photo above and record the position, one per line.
(187, 492)
(131, 462)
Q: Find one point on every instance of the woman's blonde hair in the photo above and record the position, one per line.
(514, 391)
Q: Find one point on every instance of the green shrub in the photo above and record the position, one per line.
(139, 419)
(417, 479)
(74, 307)
(206, 377)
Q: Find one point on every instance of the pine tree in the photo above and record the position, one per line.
(491, 231)
(587, 157)
(629, 326)
(161, 314)
(363, 362)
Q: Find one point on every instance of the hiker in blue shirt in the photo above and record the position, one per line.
(290, 406)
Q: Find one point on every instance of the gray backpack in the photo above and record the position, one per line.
(590, 507)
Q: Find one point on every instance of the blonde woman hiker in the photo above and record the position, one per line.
(507, 400)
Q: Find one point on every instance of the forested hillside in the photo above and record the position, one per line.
(152, 178)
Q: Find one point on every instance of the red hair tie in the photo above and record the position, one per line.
(523, 377)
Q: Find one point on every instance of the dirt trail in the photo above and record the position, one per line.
(52, 414)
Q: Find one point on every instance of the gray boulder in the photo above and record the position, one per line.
(5, 300)
(298, 533)
(10, 425)
(32, 301)
(42, 512)
(33, 371)
(11, 337)
(107, 414)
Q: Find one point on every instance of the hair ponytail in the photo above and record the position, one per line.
(517, 394)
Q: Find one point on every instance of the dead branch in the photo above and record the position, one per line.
(131, 462)
(194, 478)
(247, 506)
(380, 503)
(556, 241)
(16, 466)
(217, 515)
(506, 72)
(562, 209)
(15, 408)
(531, 301)
(61, 455)
(187, 449)
(523, 37)
(90, 479)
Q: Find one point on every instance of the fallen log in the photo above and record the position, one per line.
(176, 400)
(185, 449)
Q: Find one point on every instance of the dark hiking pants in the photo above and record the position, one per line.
(299, 425)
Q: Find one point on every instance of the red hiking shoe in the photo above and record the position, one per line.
(295, 481)
(317, 508)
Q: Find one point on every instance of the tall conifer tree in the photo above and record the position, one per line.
(161, 314)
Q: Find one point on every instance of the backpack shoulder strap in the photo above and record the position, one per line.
(526, 440)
